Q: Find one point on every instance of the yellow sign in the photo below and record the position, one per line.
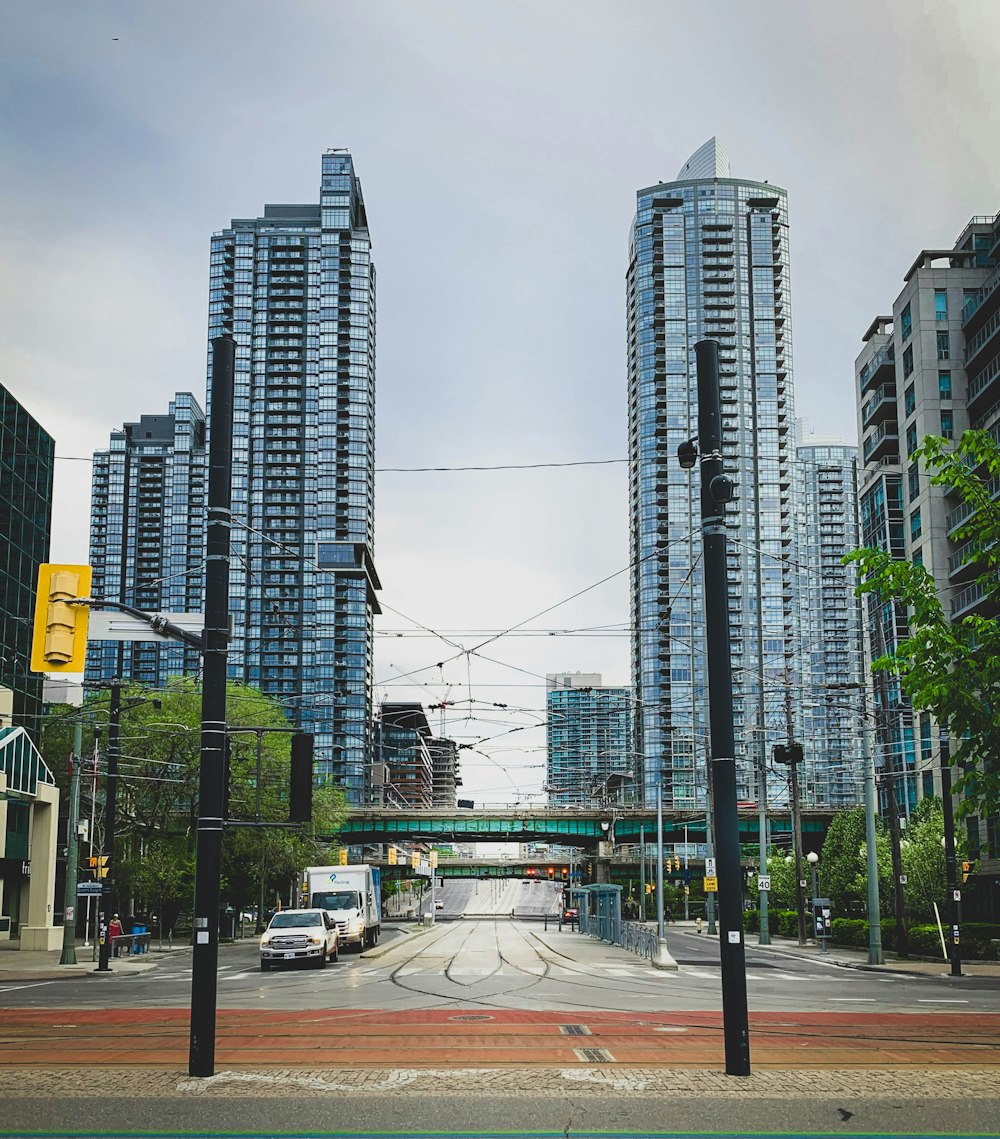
(711, 885)
(59, 640)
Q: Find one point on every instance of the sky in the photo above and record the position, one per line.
(500, 146)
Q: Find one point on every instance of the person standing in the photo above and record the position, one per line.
(115, 930)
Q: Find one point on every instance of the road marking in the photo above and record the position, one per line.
(619, 971)
(854, 1000)
(26, 985)
(658, 973)
(940, 1001)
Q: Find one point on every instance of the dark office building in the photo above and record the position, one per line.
(27, 454)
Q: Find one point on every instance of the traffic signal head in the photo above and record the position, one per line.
(966, 867)
(59, 639)
(300, 788)
(392, 856)
(552, 872)
(342, 856)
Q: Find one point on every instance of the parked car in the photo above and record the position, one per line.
(299, 935)
(571, 913)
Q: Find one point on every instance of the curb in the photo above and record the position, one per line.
(407, 931)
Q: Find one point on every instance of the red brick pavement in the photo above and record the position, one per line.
(485, 1038)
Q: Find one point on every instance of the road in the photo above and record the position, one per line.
(515, 964)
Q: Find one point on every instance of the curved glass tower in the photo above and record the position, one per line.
(708, 259)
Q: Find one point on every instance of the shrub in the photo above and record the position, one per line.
(751, 921)
(849, 931)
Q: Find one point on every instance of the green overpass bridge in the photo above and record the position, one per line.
(579, 827)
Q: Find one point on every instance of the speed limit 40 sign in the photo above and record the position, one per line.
(763, 882)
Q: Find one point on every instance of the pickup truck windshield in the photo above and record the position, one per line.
(294, 921)
(337, 900)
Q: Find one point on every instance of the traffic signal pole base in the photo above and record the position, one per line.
(661, 958)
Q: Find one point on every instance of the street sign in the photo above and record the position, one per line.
(763, 882)
(902, 879)
(956, 895)
(711, 884)
(89, 889)
(107, 626)
(710, 867)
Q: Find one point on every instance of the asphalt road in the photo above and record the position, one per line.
(513, 964)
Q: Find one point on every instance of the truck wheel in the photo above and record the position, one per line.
(334, 956)
(321, 960)
(264, 965)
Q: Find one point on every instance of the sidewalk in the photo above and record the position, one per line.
(848, 958)
(20, 965)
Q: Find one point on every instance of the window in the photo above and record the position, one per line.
(909, 397)
(908, 360)
(911, 439)
(947, 425)
(915, 527)
(940, 304)
(944, 385)
(906, 323)
(917, 556)
(913, 481)
(943, 352)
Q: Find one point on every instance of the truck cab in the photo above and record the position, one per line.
(350, 896)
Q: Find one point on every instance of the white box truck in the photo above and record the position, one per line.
(351, 895)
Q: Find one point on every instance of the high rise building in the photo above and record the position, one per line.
(708, 259)
(444, 761)
(588, 733)
(932, 367)
(823, 690)
(147, 533)
(296, 289)
(404, 747)
(27, 455)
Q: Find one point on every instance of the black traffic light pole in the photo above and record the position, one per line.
(716, 491)
(951, 867)
(201, 1055)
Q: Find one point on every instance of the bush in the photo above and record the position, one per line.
(751, 921)
(849, 931)
(785, 923)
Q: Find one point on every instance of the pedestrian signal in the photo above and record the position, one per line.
(966, 867)
(59, 638)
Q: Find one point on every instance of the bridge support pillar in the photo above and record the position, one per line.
(602, 871)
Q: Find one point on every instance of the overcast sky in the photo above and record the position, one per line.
(500, 146)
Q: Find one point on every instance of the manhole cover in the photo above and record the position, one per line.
(470, 1018)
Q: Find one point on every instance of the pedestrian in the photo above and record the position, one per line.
(667, 916)
(115, 930)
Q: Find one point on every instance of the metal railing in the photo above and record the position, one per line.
(639, 938)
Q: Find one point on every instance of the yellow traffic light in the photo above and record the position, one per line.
(966, 867)
(433, 856)
(99, 864)
(342, 856)
(392, 856)
(415, 860)
(59, 640)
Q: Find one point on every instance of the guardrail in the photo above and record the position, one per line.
(130, 943)
(639, 938)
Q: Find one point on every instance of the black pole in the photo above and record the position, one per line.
(201, 1055)
(110, 813)
(899, 902)
(716, 491)
(800, 902)
(951, 868)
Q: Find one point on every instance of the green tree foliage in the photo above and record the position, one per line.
(782, 895)
(952, 668)
(841, 866)
(159, 770)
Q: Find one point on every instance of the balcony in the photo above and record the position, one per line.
(961, 563)
(883, 441)
(973, 598)
(882, 366)
(974, 303)
(881, 406)
(984, 385)
(962, 513)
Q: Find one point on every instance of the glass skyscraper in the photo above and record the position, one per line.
(296, 289)
(829, 674)
(147, 535)
(708, 259)
(27, 454)
(588, 730)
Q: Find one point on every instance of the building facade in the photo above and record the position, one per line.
(404, 747)
(588, 733)
(930, 367)
(147, 535)
(446, 779)
(828, 675)
(708, 259)
(27, 455)
(296, 289)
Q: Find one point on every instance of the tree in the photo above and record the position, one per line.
(952, 668)
(782, 895)
(159, 769)
(842, 863)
